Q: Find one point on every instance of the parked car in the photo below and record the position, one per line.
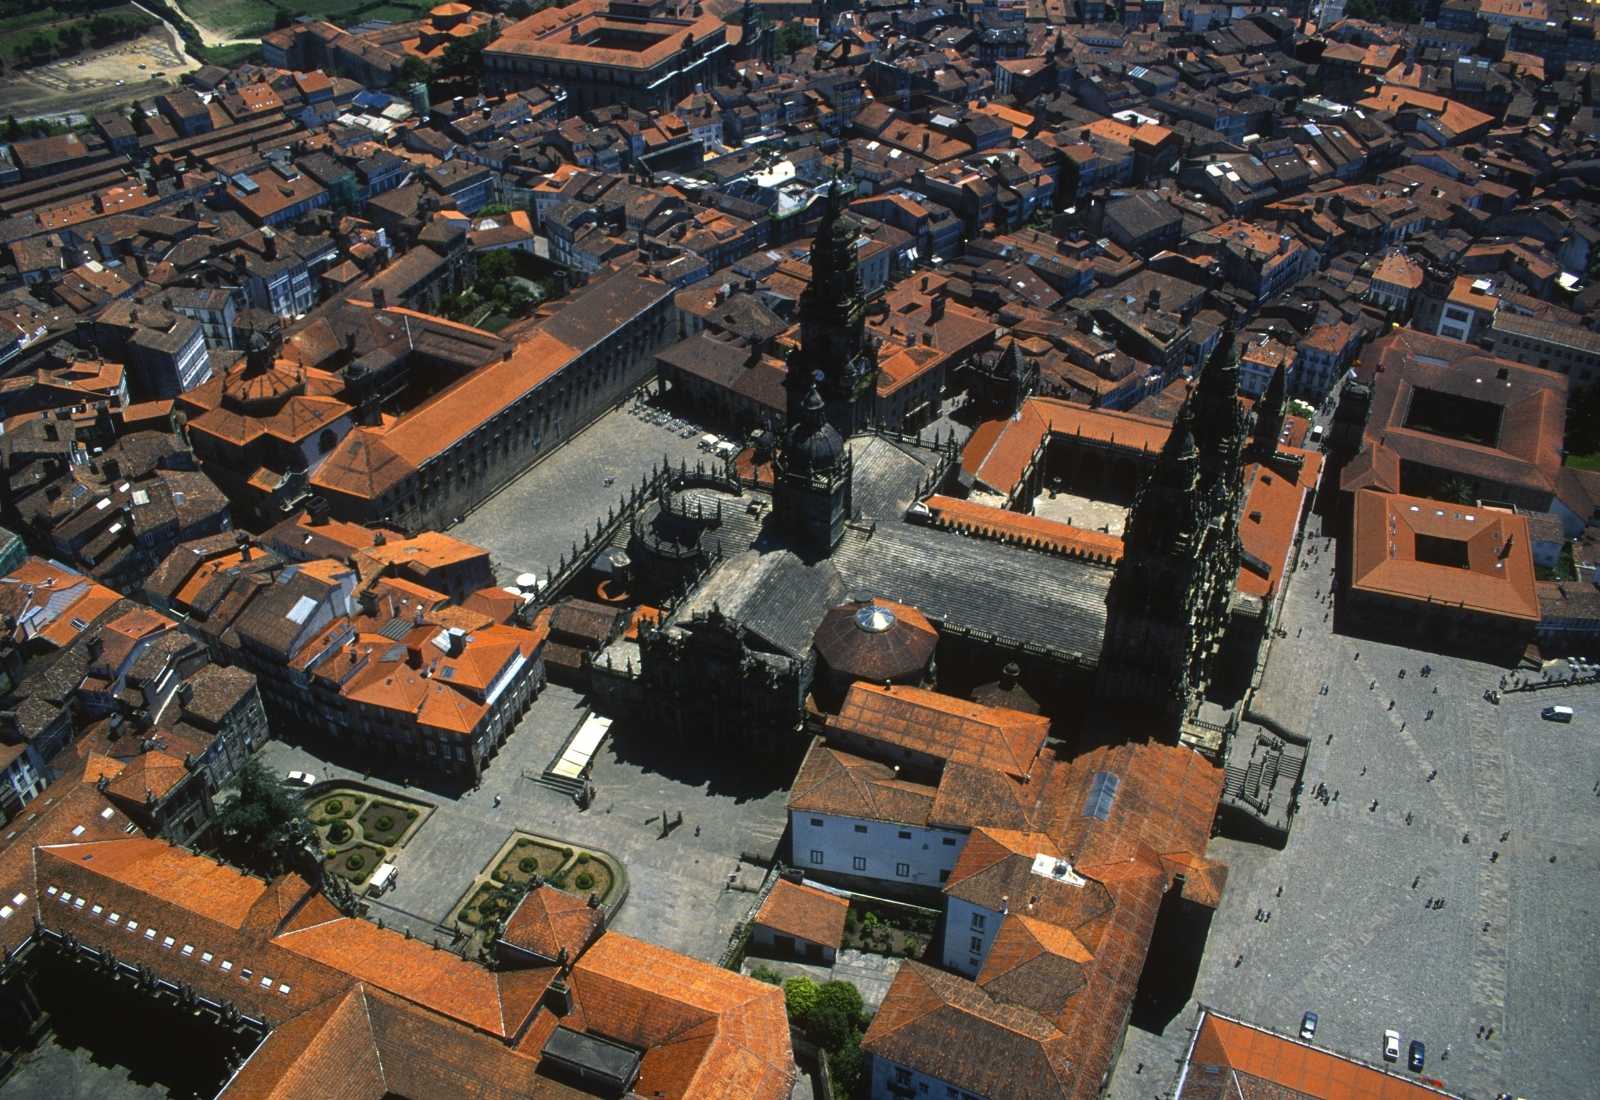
(1391, 1045)
(299, 779)
(1416, 1055)
(1308, 1026)
(1556, 714)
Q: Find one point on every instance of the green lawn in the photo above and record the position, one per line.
(246, 18)
(1584, 462)
(44, 34)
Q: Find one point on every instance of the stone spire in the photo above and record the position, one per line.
(1167, 515)
(1219, 421)
(833, 354)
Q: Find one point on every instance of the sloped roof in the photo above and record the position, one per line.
(945, 727)
(547, 920)
(805, 912)
(835, 782)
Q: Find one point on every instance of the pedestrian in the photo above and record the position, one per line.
(1596, 786)
(1494, 857)
(1480, 1031)
(1504, 835)
(1490, 1033)
(1336, 796)
(1486, 926)
(1466, 838)
(1268, 919)
(1432, 774)
(1415, 881)
(1280, 891)
(497, 800)
(1363, 769)
(1428, 904)
(1258, 912)
(1237, 961)
(1408, 817)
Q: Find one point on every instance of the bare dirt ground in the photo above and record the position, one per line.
(136, 69)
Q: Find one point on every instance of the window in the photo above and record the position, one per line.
(902, 1076)
(859, 863)
(944, 876)
(816, 856)
(133, 926)
(226, 966)
(149, 933)
(245, 973)
(115, 918)
(976, 944)
(97, 910)
(188, 949)
(168, 942)
(903, 870)
(206, 957)
(861, 828)
(905, 834)
(949, 842)
(283, 989)
(816, 822)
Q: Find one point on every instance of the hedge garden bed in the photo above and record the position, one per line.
(528, 858)
(483, 904)
(385, 822)
(338, 806)
(586, 875)
(355, 864)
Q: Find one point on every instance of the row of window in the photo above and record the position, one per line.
(150, 934)
(903, 834)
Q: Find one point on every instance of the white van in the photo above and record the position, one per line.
(1556, 714)
(382, 880)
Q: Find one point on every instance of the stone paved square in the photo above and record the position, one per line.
(1515, 946)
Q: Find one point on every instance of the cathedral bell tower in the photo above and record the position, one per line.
(1155, 651)
(833, 357)
(811, 472)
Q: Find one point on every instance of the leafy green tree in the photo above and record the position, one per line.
(264, 827)
(463, 59)
(845, 1066)
(414, 70)
(494, 268)
(800, 997)
(836, 1015)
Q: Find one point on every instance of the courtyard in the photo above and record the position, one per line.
(1441, 797)
(687, 886)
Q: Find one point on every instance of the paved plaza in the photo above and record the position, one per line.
(1351, 936)
(1084, 512)
(678, 885)
(529, 524)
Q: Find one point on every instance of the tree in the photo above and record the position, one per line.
(414, 70)
(463, 59)
(800, 997)
(844, 1065)
(264, 828)
(836, 1016)
(494, 268)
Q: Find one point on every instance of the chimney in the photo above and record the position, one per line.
(113, 469)
(93, 647)
(936, 309)
(1154, 299)
(380, 300)
(271, 240)
(317, 511)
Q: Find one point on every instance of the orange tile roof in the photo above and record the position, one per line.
(955, 730)
(805, 912)
(1033, 531)
(419, 972)
(1273, 503)
(1496, 577)
(708, 1033)
(1258, 1056)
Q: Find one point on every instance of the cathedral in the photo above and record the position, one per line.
(850, 514)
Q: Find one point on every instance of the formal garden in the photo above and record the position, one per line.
(526, 858)
(359, 830)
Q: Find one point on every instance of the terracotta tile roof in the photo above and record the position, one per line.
(1271, 516)
(1004, 525)
(953, 1030)
(944, 727)
(708, 1033)
(148, 775)
(834, 782)
(416, 971)
(548, 920)
(1389, 556)
(1397, 270)
(1253, 1058)
(159, 870)
(331, 1042)
(805, 912)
